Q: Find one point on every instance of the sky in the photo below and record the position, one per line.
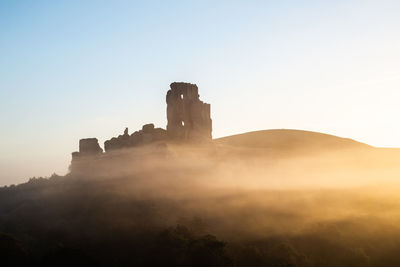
(78, 69)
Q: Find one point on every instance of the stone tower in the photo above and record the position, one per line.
(87, 147)
(188, 117)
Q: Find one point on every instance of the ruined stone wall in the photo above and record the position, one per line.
(147, 135)
(87, 147)
(188, 117)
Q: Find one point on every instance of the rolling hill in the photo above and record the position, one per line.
(286, 139)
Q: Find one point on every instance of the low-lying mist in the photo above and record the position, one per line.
(213, 205)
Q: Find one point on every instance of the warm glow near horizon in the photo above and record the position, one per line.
(70, 70)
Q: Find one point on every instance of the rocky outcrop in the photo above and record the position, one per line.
(188, 117)
(147, 135)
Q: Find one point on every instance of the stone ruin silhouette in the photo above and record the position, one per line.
(188, 117)
(189, 120)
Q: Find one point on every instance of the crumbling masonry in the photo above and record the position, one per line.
(188, 120)
(188, 117)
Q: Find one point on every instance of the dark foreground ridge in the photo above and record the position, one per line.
(188, 117)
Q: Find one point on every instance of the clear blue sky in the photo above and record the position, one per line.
(75, 69)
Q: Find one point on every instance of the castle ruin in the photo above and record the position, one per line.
(188, 118)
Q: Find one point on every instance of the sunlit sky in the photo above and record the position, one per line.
(75, 69)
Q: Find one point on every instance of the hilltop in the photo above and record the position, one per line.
(288, 139)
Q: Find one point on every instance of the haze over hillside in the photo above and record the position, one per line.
(176, 197)
(237, 201)
(286, 139)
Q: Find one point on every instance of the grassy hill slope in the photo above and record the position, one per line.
(289, 140)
